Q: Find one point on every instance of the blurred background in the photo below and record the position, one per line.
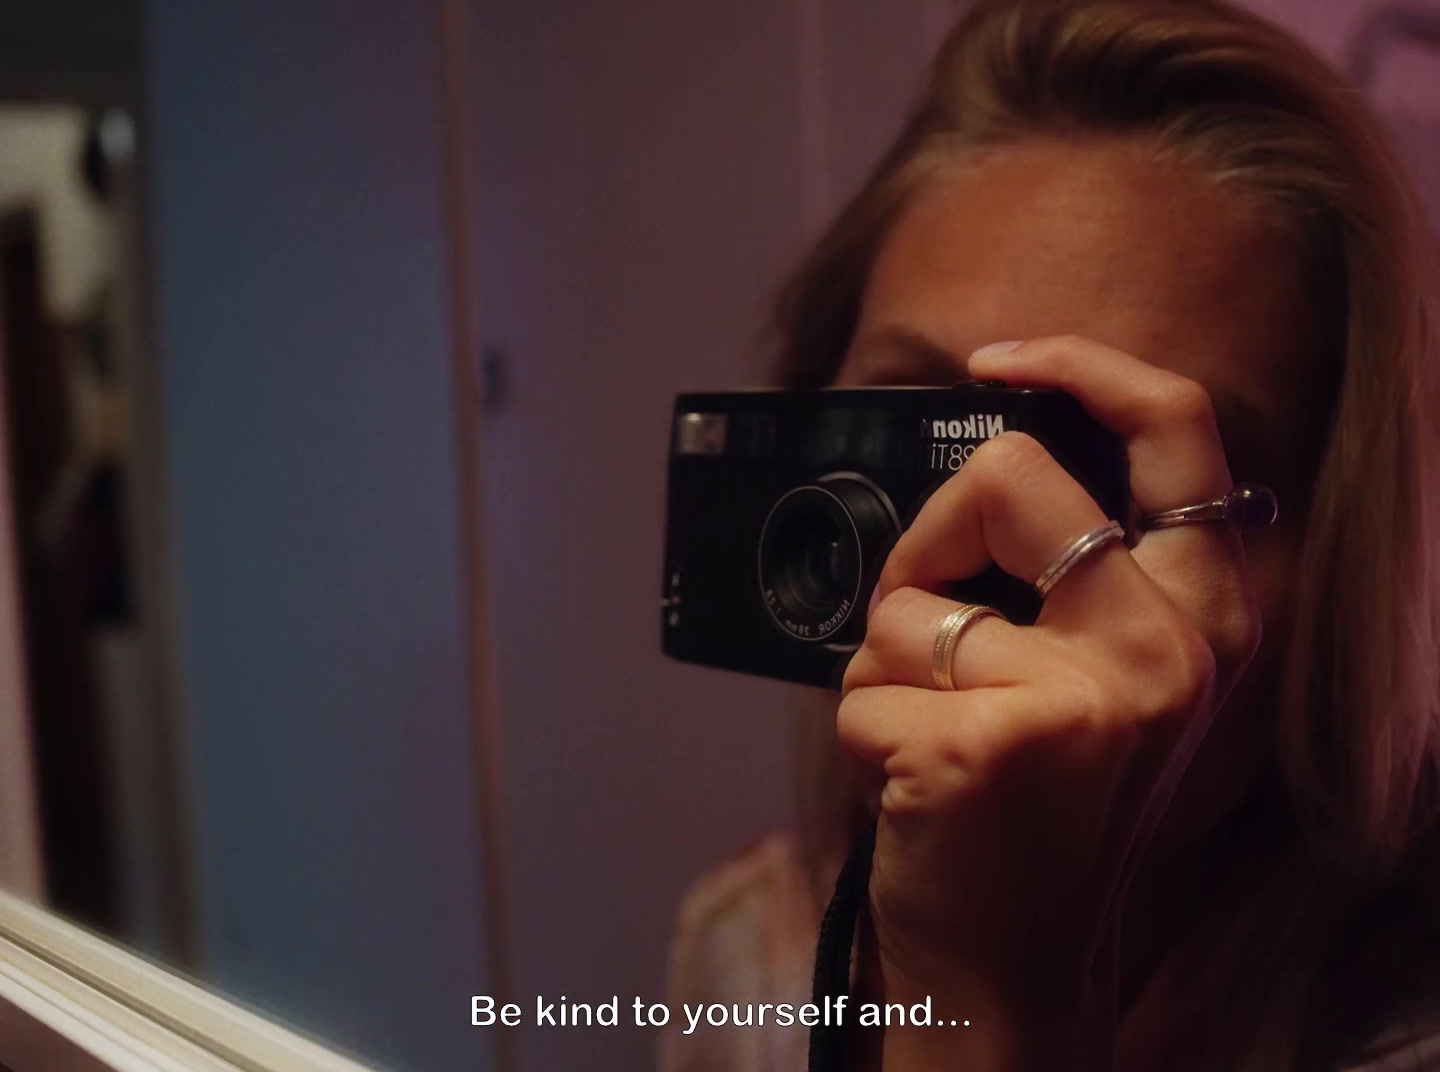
(338, 339)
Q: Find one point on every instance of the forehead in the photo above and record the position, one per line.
(1096, 239)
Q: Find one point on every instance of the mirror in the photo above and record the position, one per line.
(237, 732)
(80, 476)
(93, 819)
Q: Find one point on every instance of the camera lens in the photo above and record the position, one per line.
(825, 567)
(819, 546)
(814, 563)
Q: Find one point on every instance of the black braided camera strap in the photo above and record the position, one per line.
(832, 952)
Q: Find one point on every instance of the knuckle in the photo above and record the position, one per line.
(1236, 633)
(1001, 461)
(1090, 697)
(1178, 665)
(889, 614)
(950, 755)
(1088, 719)
(902, 564)
(1009, 449)
(1090, 704)
(859, 672)
(850, 718)
(904, 798)
(1192, 674)
(885, 629)
(947, 771)
(1187, 402)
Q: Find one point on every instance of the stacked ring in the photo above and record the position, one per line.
(948, 635)
(1067, 560)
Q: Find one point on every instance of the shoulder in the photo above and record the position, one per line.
(744, 934)
(746, 920)
(1409, 1043)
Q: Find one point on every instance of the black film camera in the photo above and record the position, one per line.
(784, 504)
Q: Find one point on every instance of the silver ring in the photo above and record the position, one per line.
(1086, 545)
(1248, 506)
(948, 635)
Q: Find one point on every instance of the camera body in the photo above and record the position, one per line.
(783, 505)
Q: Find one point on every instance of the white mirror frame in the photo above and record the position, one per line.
(70, 1000)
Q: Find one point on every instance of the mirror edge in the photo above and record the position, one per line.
(70, 999)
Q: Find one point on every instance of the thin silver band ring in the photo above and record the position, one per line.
(1086, 545)
(948, 635)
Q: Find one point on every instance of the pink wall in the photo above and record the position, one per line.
(1406, 89)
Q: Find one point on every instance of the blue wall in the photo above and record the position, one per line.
(297, 202)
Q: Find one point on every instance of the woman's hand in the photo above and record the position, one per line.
(1015, 808)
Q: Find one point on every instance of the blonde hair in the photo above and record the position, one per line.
(1241, 101)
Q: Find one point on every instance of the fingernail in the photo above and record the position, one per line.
(995, 349)
(874, 598)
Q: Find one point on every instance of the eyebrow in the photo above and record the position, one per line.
(922, 358)
(921, 354)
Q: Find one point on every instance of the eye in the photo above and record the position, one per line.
(900, 356)
(910, 375)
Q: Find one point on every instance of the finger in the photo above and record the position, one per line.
(937, 748)
(938, 744)
(881, 723)
(1068, 781)
(1176, 458)
(1014, 505)
(900, 638)
(1166, 420)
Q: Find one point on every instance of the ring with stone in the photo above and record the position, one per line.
(1246, 506)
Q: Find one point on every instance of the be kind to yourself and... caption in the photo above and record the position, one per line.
(485, 1012)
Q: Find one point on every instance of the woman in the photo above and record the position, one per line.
(1182, 820)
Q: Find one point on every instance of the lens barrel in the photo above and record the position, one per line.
(820, 546)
